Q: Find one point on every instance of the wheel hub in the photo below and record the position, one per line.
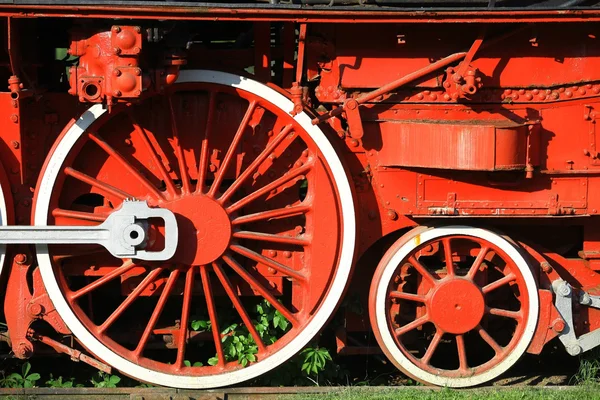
(457, 306)
(204, 229)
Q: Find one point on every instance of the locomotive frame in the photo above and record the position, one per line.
(295, 144)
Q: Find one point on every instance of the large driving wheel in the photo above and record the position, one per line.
(265, 216)
(454, 306)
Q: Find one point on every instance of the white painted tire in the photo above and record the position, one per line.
(379, 320)
(44, 193)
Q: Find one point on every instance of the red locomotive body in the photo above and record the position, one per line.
(168, 163)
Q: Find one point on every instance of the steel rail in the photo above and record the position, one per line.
(245, 393)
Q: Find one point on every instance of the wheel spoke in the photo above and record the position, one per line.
(268, 262)
(462, 353)
(185, 316)
(183, 172)
(203, 161)
(210, 304)
(395, 294)
(500, 282)
(126, 266)
(448, 256)
(432, 347)
(477, 263)
(79, 215)
(412, 325)
(129, 299)
(267, 237)
(264, 292)
(421, 269)
(276, 213)
(154, 155)
(226, 283)
(105, 187)
(292, 174)
(232, 148)
(505, 313)
(489, 340)
(158, 309)
(130, 168)
(256, 163)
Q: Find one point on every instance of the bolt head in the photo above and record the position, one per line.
(564, 290)
(116, 29)
(574, 349)
(21, 259)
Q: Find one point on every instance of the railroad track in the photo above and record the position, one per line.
(247, 393)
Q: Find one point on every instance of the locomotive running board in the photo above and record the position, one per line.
(124, 233)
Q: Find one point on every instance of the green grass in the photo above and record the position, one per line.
(583, 392)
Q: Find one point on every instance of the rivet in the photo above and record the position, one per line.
(287, 254)
(14, 118)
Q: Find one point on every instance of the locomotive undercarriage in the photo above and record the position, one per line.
(462, 157)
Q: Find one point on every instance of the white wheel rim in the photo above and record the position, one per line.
(3, 221)
(42, 205)
(409, 245)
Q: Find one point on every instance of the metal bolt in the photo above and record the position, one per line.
(36, 309)
(558, 325)
(586, 299)
(138, 71)
(116, 29)
(574, 349)
(23, 350)
(21, 258)
(564, 290)
(15, 144)
(116, 50)
(14, 118)
(136, 50)
(117, 93)
(117, 72)
(272, 253)
(393, 215)
(287, 254)
(353, 142)
(546, 267)
(137, 29)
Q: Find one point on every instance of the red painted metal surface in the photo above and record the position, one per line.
(437, 117)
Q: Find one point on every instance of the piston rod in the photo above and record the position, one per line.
(124, 233)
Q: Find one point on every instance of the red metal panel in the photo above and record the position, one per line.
(473, 145)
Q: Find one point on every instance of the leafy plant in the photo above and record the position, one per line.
(104, 380)
(59, 383)
(314, 360)
(22, 380)
(188, 363)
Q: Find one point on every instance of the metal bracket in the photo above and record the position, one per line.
(124, 233)
(563, 302)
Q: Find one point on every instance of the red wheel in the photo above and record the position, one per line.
(454, 306)
(264, 211)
